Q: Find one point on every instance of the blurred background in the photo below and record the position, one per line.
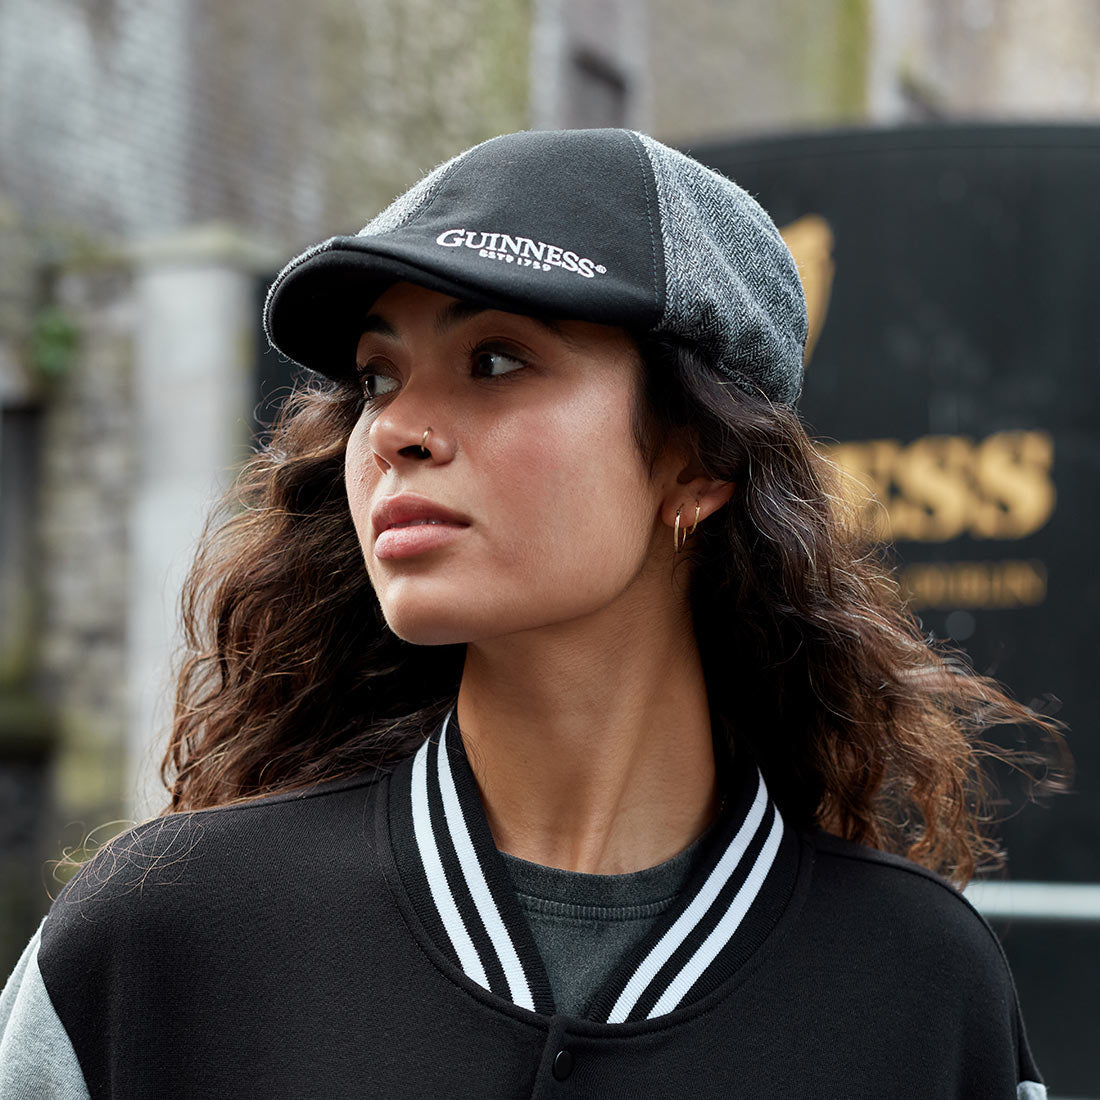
(934, 164)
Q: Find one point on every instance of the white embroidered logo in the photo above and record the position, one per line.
(520, 250)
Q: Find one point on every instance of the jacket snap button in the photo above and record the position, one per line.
(563, 1065)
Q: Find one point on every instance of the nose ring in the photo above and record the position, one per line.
(423, 440)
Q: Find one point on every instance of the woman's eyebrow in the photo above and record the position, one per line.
(460, 311)
(374, 322)
(451, 315)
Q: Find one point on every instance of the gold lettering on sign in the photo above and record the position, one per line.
(940, 487)
(810, 240)
(933, 500)
(988, 584)
(1013, 469)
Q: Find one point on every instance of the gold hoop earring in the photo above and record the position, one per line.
(678, 541)
(423, 440)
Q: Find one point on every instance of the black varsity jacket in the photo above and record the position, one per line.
(362, 939)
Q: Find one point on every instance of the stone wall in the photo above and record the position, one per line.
(121, 117)
(985, 59)
(721, 70)
(66, 424)
(94, 112)
(84, 555)
(402, 87)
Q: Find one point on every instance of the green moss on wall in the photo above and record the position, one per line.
(405, 86)
(824, 51)
(505, 65)
(852, 58)
(55, 340)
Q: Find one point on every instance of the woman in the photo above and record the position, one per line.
(544, 731)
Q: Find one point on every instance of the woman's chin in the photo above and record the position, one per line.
(458, 621)
(428, 624)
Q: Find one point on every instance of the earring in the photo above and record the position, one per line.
(679, 542)
(423, 440)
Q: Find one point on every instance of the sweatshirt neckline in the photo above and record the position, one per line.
(650, 889)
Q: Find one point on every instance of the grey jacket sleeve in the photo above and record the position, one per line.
(37, 1060)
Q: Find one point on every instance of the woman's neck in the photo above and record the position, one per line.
(591, 741)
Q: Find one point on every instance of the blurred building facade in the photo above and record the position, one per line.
(158, 160)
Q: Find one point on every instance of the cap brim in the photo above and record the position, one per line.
(315, 312)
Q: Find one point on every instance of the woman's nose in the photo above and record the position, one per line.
(410, 434)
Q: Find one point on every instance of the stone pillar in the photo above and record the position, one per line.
(193, 385)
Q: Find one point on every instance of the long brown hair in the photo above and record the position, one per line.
(813, 665)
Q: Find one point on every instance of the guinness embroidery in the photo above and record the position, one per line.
(523, 251)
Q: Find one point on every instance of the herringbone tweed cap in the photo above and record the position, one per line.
(608, 226)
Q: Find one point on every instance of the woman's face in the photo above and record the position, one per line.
(528, 504)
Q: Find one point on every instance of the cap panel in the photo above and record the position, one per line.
(333, 292)
(731, 283)
(562, 223)
(407, 206)
(553, 221)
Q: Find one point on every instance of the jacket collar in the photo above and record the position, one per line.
(459, 887)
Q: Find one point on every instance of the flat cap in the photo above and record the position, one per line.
(602, 225)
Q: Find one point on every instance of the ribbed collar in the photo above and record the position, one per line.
(459, 888)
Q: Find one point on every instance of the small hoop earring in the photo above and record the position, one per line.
(424, 439)
(695, 524)
(680, 541)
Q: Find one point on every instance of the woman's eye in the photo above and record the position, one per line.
(376, 385)
(492, 362)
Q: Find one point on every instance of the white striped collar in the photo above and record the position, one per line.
(459, 888)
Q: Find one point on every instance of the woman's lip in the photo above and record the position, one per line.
(406, 542)
(404, 508)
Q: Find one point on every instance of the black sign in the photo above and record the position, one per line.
(953, 282)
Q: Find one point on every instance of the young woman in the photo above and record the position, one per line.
(544, 731)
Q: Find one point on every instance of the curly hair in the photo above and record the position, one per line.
(813, 665)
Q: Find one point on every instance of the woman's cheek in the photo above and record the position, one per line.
(360, 476)
(573, 512)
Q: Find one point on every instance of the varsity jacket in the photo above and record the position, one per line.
(362, 938)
